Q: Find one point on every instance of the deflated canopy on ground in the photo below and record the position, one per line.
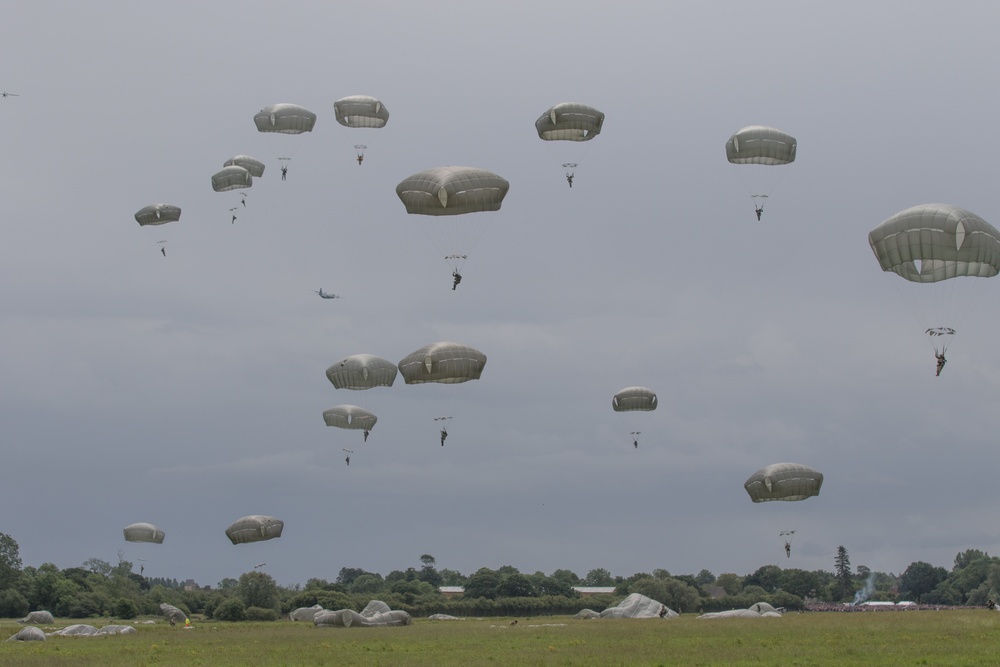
(758, 144)
(349, 417)
(28, 634)
(254, 528)
(444, 362)
(172, 613)
(934, 242)
(143, 532)
(285, 118)
(361, 111)
(634, 398)
(362, 371)
(40, 617)
(251, 164)
(637, 605)
(157, 214)
(758, 610)
(784, 481)
(569, 121)
(375, 614)
(305, 613)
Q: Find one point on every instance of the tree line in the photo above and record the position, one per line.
(98, 588)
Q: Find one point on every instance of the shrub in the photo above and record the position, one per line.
(125, 609)
(13, 604)
(261, 614)
(230, 610)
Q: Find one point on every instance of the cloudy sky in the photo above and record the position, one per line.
(188, 390)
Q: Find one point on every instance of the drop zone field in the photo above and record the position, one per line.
(947, 637)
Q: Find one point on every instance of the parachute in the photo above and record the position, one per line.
(285, 119)
(931, 246)
(349, 417)
(157, 214)
(254, 528)
(143, 532)
(570, 122)
(362, 371)
(641, 400)
(758, 145)
(232, 177)
(251, 164)
(784, 481)
(445, 192)
(443, 362)
(361, 111)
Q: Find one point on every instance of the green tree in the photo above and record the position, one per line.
(231, 609)
(483, 584)
(515, 586)
(919, 579)
(10, 561)
(842, 574)
(731, 583)
(768, 577)
(258, 589)
(599, 577)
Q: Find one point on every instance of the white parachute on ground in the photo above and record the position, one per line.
(784, 481)
(157, 214)
(143, 532)
(444, 362)
(757, 148)
(362, 371)
(932, 246)
(375, 614)
(75, 630)
(254, 528)
(361, 111)
(285, 118)
(635, 605)
(758, 610)
(446, 193)
(172, 613)
(38, 617)
(350, 417)
(305, 613)
(232, 177)
(28, 634)
(251, 164)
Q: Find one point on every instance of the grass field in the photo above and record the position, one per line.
(967, 637)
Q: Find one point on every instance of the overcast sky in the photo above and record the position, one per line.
(188, 390)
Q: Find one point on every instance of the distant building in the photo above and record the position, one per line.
(451, 591)
(588, 591)
(190, 585)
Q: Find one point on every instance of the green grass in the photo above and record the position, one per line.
(967, 637)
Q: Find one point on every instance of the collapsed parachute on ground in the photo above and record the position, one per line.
(254, 528)
(362, 371)
(375, 614)
(759, 610)
(784, 481)
(444, 362)
(251, 164)
(232, 177)
(361, 111)
(172, 613)
(28, 634)
(157, 214)
(143, 532)
(758, 144)
(569, 121)
(350, 417)
(39, 617)
(285, 119)
(635, 605)
(934, 242)
(634, 398)
(305, 613)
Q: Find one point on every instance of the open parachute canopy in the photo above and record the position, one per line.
(285, 119)
(634, 398)
(569, 121)
(232, 177)
(758, 144)
(362, 371)
(254, 528)
(143, 532)
(452, 191)
(783, 481)
(934, 242)
(349, 417)
(361, 111)
(251, 164)
(444, 362)
(157, 214)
